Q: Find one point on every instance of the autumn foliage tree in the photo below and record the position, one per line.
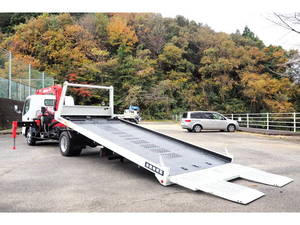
(120, 34)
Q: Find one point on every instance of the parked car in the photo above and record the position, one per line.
(195, 121)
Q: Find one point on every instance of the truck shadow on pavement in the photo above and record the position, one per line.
(47, 143)
(89, 154)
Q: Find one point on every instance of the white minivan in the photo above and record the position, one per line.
(195, 121)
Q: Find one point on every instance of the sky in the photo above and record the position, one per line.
(222, 16)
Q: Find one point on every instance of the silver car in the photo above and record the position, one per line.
(195, 121)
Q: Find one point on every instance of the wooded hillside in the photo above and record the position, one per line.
(164, 65)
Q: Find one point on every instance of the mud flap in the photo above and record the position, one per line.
(215, 181)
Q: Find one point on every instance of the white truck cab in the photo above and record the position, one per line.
(33, 103)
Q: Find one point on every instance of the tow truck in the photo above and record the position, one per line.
(172, 161)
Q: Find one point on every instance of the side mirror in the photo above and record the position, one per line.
(16, 107)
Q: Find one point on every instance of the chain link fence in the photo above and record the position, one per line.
(18, 79)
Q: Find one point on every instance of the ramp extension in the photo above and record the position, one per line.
(215, 181)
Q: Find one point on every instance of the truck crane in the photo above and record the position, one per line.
(51, 114)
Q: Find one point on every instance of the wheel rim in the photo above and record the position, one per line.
(197, 128)
(231, 128)
(63, 143)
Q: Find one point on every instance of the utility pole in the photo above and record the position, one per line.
(9, 74)
(43, 78)
(29, 79)
(20, 96)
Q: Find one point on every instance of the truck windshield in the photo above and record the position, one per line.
(49, 102)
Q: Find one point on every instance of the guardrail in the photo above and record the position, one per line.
(274, 121)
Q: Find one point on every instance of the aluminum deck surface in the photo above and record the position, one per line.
(180, 157)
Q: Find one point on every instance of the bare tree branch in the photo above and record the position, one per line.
(284, 20)
(289, 22)
(276, 73)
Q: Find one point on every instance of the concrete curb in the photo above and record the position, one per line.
(4, 132)
(158, 122)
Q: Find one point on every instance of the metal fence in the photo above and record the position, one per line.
(268, 121)
(18, 79)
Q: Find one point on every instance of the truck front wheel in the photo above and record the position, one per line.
(30, 140)
(68, 144)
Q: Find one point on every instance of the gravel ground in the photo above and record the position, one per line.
(39, 179)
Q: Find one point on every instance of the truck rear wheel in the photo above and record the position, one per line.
(68, 144)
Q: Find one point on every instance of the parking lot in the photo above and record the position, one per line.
(39, 179)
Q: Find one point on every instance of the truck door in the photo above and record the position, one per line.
(25, 112)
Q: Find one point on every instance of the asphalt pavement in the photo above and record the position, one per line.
(39, 179)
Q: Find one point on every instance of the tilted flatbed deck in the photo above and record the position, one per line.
(171, 160)
(157, 148)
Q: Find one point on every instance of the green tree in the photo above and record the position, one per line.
(8, 21)
(248, 34)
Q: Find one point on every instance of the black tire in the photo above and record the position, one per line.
(189, 130)
(68, 144)
(30, 140)
(231, 128)
(197, 128)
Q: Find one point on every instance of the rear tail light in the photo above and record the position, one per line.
(188, 121)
